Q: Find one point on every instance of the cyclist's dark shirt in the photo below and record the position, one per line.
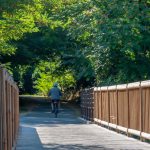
(55, 93)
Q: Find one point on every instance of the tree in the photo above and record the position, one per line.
(98, 41)
(114, 32)
(47, 73)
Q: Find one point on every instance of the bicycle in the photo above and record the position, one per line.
(55, 108)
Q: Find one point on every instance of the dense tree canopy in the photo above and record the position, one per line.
(78, 43)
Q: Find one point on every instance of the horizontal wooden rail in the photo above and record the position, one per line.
(9, 111)
(122, 107)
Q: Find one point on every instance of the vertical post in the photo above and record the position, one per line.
(141, 112)
(12, 115)
(89, 105)
(95, 102)
(4, 131)
(98, 102)
(17, 109)
(86, 104)
(117, 117)
(128, 112)
(101, 105)
(83, 104)
(92, 104)
(7, 115)
(15, 113)
(10, 112)
(108, 106)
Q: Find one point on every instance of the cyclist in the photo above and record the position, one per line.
(55, 95)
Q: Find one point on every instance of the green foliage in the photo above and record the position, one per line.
(47, 73)
(115, 34)
(18, 18)
(78, 43)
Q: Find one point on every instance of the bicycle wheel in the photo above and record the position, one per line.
(56, 109)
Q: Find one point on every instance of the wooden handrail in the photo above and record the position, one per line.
(9, 111)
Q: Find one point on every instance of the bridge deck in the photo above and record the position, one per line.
(41, 131)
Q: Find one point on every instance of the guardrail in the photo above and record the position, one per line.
(9, 111)
(124, 108)
(87, 104)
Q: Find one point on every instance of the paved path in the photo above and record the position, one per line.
(41, 131)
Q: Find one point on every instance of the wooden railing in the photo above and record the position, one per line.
(125, 107)
(9, 111)
(87, 104)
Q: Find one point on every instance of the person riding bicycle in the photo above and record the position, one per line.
(55, 94)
